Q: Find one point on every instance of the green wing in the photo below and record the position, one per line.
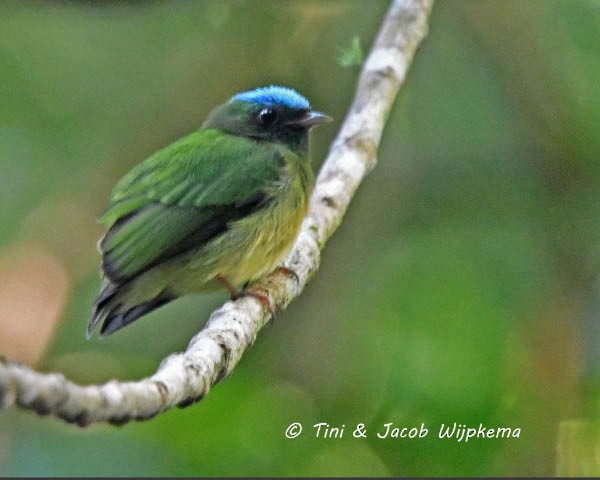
(183, 196)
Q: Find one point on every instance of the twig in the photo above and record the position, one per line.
(212, 354)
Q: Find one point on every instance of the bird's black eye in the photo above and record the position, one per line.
(267, 116)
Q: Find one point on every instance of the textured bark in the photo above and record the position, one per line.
(185, 378)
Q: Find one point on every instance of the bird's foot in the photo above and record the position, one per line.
(234, 293)
(288, 272)
(262, 295)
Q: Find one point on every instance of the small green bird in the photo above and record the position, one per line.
(222, 205)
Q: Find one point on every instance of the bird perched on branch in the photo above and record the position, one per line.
(222, 205)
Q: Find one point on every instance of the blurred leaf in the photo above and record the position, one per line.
(352, 55)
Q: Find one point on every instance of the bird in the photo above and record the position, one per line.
(221, 206)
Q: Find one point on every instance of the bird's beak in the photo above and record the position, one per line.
(311, 119)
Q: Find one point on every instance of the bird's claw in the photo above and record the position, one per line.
(288, 272)
(262, 295)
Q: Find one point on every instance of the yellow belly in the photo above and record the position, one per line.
(251, 247)
(257, 244)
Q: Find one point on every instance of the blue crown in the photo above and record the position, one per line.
(274, 96)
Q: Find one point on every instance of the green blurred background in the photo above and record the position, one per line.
(462, 285)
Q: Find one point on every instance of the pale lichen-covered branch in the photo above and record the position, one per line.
(212, 354)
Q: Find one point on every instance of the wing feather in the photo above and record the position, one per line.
(183, 196)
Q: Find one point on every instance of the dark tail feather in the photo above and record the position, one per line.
(103, 304)
(107, 308)
(116, 320)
